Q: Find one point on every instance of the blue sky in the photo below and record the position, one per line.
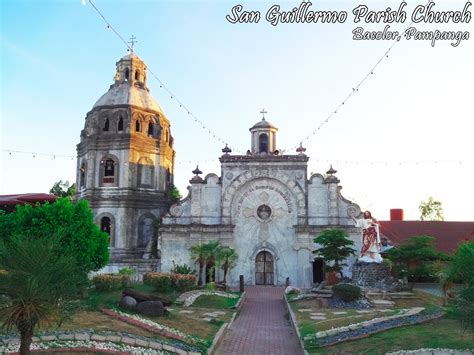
(58, 58)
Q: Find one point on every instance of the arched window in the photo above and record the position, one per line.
(166, 135)
(137, 126)
(150, 128)
(127, 74)
(263, 143)
(106, 125)
(82, 178)
(105, 225)
(109, 171)
(120, 124)
(137, 75)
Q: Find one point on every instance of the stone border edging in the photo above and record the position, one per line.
(136, 343)
(433, 352)
(294, 324)
(136, 323)
(365, 335)
(217, 339)
(239, 302)
(222, 330)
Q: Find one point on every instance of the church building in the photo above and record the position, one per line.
(264, 206)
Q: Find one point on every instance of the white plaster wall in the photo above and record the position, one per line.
(317, 201)
(252, 234)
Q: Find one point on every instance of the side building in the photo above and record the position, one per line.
(125, 162)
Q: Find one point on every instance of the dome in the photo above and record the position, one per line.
(263, 124)
(126, 94)
(129, 87)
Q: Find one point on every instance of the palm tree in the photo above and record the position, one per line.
(226, 258)
(38, 277)
(203, 254)
(199, 254)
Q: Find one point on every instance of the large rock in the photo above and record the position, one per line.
(142, 297)
(292, 289)
(128, 302)
(151, 308)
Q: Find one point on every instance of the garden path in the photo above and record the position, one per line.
(262, 327)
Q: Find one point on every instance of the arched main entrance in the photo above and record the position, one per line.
(264, 268)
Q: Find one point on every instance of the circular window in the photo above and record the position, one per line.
(264, 212)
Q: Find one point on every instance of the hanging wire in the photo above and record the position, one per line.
(355, 89)
(162, 85)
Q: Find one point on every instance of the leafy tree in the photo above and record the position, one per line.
(226, 258)
(72, 222)
(39, 277)
(173, 194)
(62, 189)
(202, 254)
(335, 246)
(416, 256)
(431, 210)
(462, 268)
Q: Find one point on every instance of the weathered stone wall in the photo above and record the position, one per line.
(371, 275)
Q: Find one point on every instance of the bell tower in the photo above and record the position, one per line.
(263, 137)
(125, 164)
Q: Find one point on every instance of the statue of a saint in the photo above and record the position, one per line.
(371, 245)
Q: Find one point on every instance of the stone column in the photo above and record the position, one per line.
(333, 199)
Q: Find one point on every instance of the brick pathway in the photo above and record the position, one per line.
(262, 327)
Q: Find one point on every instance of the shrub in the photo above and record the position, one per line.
(184, 282)
(166, 282)
(110, 282)
(346, 292)
(183, 269)
(127, 271)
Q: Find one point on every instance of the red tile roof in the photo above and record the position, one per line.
(448, 235)
(22, 199)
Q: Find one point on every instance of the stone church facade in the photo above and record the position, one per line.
(263, 204)
(265, 207)
(125, 162)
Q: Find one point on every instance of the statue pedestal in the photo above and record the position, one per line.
(372, 275)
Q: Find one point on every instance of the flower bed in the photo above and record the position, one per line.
(151, 326)
(80, 346)
(103, 336)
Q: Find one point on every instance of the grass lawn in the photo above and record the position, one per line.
(215, 302)
(441, 333)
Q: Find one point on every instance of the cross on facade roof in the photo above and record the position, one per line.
(132, 41)
(263, 112)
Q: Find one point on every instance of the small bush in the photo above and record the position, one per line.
(127, 271)
(160, 281)
(346, 292)
(183, 269)
(166, 282)
(184, 282)
(110, 282)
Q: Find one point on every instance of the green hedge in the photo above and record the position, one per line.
(346, 292)
(110, 282)
(165, 282)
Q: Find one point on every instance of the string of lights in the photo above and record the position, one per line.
(12, 152)
(171, 95)
(352, 92)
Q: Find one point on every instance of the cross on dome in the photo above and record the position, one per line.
(263, 112)
(132, 41)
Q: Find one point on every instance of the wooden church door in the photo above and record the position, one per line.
(264, 268)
